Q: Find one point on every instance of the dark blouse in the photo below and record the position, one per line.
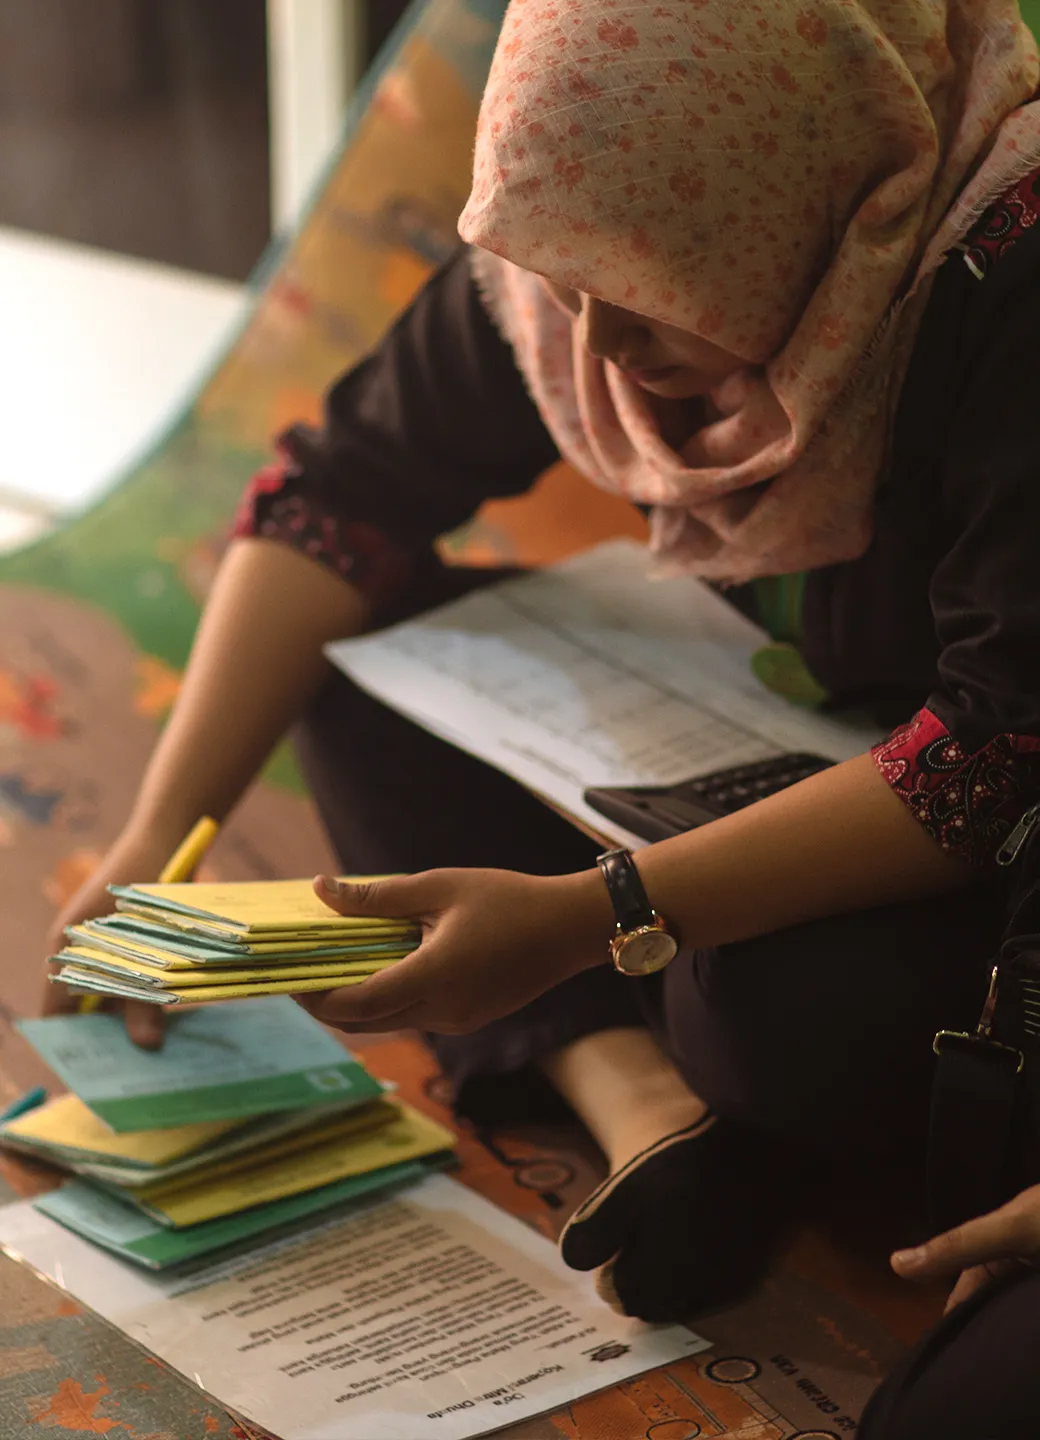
(936, 628)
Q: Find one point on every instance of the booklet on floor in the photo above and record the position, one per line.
(246, 1058)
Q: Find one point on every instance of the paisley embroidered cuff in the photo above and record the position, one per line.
(966, 800)
(279, 505)
(1006, 221)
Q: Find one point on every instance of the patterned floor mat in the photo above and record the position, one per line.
(799, 1359)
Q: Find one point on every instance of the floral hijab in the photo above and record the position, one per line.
(781, 177)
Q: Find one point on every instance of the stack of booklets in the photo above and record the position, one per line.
(233, 1131)
(193, 944)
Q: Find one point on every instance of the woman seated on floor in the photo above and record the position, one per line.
(769, 271)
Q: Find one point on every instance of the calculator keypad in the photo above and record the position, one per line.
(729, 790)
(657, 812)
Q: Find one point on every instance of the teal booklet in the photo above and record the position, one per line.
(127, 1231)
(222, 1062)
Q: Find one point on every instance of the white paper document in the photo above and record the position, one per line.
(591, 673)
(432, 1316)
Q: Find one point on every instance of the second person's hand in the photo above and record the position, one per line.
(979, 1250)
(132, 859)
(491, 941)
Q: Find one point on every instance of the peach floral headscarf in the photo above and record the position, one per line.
(781, 177)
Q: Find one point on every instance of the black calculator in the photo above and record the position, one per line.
(657, 812)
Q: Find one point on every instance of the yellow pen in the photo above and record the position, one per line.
(186, 859)
(181, 866)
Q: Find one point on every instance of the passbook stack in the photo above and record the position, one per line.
(250, 1120)
(194, 944)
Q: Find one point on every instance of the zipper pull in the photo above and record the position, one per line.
(1008, 852)
(984, 1029)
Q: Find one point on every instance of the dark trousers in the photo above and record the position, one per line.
(819, 1035)
(976, 1376)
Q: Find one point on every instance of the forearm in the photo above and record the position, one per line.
(256, 662)
(839, 841)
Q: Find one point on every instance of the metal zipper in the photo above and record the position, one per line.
(982, 1039)
(1008, 852)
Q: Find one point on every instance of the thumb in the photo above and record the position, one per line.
(145, 1024)
(398, 897)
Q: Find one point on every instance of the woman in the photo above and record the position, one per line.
(768, 271)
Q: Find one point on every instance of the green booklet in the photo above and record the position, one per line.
(243, 1057)
(127, 1231)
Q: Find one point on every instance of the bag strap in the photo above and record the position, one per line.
(973, 1107)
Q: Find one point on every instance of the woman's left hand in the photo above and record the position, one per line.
(491, 941)
(979, 1249)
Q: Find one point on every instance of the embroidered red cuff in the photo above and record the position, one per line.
(271, 480)
(1006, 221)
(278, 505)
(966, 800)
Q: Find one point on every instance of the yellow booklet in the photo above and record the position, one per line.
(64, 1132)
(67, 1125)
(314, 934)
(408, 1136)
(174, 944)
(166, 948)
(106, 963)
(255, 909)
(82, 977)
(325, 1128)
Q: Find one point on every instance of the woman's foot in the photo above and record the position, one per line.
(626, 1092)
(684, 1228)
(691, 1212)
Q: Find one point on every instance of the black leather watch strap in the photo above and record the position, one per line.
(632, 907)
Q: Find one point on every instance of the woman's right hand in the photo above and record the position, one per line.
(131, 860)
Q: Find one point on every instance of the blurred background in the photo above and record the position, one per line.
(149, 149)
(174, 130)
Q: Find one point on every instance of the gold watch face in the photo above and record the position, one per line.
(644, 951)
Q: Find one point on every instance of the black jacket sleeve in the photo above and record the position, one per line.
(968, 764)
(416, 437)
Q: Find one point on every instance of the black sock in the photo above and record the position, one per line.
(693, 1222)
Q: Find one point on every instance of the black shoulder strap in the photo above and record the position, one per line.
(974, 1095)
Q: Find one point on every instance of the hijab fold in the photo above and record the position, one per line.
(780, 177)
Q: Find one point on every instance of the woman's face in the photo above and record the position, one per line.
(660, 358)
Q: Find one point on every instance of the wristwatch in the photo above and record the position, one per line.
(642, 943)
